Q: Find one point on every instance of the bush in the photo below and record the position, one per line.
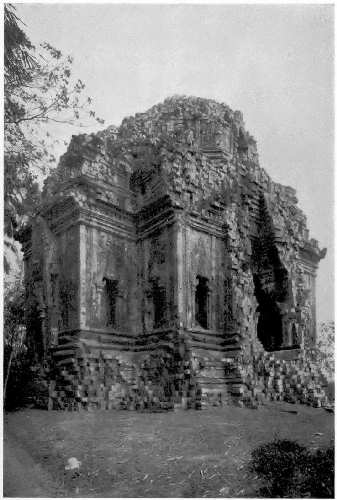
(278, 463)
(26, 385)
(320, 474)
(24, 378)
(290, 470)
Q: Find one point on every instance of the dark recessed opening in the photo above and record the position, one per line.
(202, 302)
(269, 326)
(159, 304)
(111, 292)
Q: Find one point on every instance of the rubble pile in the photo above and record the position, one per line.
(271, 378)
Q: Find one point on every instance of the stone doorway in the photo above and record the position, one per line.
(269, 326)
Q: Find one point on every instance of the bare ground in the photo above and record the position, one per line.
(128, 454)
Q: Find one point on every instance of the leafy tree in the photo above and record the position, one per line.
(39, 90)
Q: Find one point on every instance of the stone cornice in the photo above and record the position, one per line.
(122, 226)
(101, 214)
(153, 209)
(170, 215)
(206, 226)
(167, 218)
(86, 180)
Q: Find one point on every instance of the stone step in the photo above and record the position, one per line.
(228, 349)
(107, 346)
(154, 346)
(217, 337)
(205, 346)
(65, 339)
(217, 342)
(109, 341)
(108, 337)
(68, 345)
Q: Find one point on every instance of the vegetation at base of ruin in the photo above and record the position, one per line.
(203, 453)
(290, 470)
(15, 351)
(39, 90)
(24, 381)
(19, 371)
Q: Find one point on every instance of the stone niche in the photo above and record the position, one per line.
(164, 268)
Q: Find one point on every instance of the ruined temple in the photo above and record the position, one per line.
(166, 269)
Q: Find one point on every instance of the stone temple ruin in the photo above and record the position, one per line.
(166, 269)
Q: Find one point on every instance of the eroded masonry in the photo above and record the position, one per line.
(166, 269)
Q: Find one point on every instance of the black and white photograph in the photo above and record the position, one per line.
(168, 250)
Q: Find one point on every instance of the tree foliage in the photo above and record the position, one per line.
(39, 90)
(25, 378)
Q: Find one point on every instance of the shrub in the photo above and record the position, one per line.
(278, 463)
(26, 384)
(290, 470)
(320, 474)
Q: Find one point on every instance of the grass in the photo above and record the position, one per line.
(176, 454)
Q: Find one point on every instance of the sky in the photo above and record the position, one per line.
(275, 63)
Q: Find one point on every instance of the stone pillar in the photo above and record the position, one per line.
(180, 274)
(98, 303)
(82, 277)
(212, 306)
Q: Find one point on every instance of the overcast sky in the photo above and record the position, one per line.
(273, 62)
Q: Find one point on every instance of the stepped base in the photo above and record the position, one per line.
(170, 369)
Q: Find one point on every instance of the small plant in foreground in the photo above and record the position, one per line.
(290, 470)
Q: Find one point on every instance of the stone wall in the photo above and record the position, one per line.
(110, 258)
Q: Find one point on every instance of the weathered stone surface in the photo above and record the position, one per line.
(165, 267)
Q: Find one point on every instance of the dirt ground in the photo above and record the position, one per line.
(128, 454)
